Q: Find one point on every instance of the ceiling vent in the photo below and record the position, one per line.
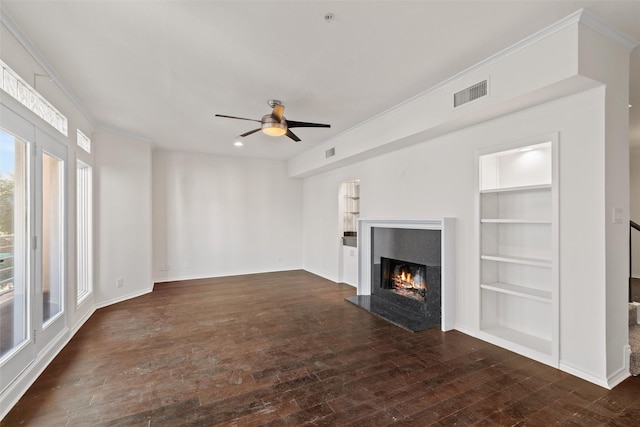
(469, 94)
(330, 153)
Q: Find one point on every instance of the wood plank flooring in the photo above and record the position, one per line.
(286, 349)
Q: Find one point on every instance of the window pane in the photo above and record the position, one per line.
(14, 296)
(30, 98)
(52, 236)
(83, 233)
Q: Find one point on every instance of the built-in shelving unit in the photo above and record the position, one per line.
(518, 251)
(350, 207)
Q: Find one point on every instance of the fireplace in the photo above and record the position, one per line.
(405, 273)
(404, 278)
(422, 250)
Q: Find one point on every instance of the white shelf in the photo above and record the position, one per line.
(537, 262)
(514, 221)
(520, 291)
(534, 343)
(512, 189)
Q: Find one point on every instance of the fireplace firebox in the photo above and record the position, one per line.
(404, 278)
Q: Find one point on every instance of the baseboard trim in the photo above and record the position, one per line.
(228, 274)
(622, 373)
(466, 331)
(602, 382)
(123, 298)
(82, 321)
(324, 276)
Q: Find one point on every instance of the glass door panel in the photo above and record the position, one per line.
(52, 237)
(32, 243)
(14, 248)
(17, 349)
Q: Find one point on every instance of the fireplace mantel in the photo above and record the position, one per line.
(446, 225)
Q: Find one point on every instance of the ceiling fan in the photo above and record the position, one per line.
(275, 124)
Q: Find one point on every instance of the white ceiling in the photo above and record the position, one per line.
(160, 70)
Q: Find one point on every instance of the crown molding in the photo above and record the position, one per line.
(590, 20)
(117, 131)
(22, 38)
(580, 16)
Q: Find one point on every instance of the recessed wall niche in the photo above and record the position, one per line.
(349, 203)
(518, 249)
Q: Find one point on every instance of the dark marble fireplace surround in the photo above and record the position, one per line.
(416, 246)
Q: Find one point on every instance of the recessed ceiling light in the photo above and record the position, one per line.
(238, 143)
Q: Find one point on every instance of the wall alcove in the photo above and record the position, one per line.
(518, 249)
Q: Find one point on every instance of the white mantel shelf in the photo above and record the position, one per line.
(446, 225)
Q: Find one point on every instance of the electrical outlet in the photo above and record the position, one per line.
(119, 282)
(163, 267)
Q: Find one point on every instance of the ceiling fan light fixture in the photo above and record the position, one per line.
(274, 131)
(274, 128)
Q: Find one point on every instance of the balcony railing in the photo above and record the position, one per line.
(6, 264)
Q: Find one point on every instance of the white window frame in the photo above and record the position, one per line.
(22, 91)
(84, 231)
(83, 141)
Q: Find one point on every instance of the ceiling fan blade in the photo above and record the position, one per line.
(294, 124)
(278, 112)
(293, 136)
(250, 132)
(239, 118)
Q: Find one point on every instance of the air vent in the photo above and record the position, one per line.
(476, 91)
(330, 153)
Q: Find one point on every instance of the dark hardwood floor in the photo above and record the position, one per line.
(287, 349)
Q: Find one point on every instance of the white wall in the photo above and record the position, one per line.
(590, 61)
(322, 252)
(123, 217)
(606, 60)
(219, 216)
(437, 179)
(635, 207)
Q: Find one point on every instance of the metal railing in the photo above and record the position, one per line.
(6, 264)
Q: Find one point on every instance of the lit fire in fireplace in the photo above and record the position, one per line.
(404, 278)
(411, 285)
